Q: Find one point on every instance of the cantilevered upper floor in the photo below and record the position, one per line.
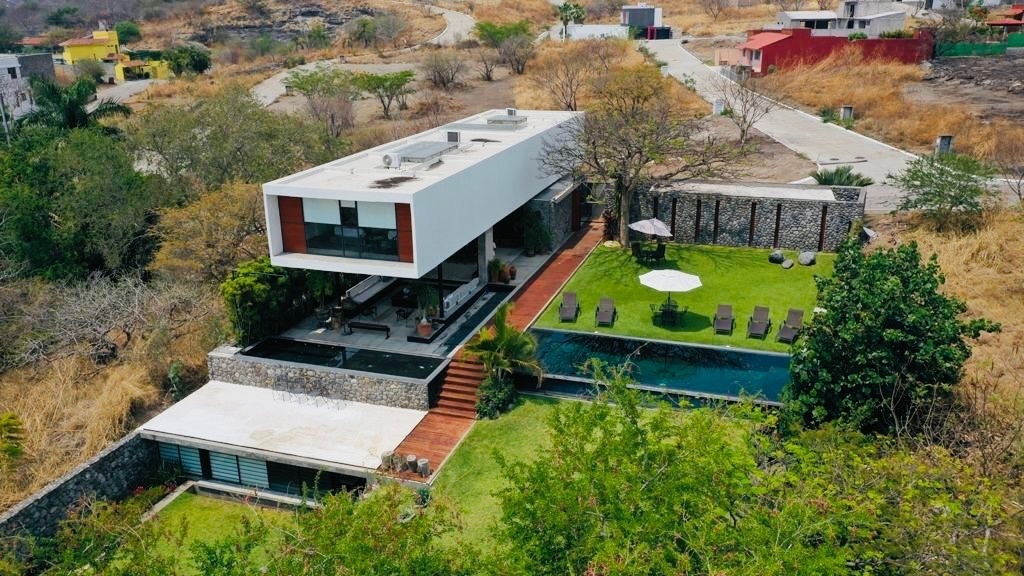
(402, 208)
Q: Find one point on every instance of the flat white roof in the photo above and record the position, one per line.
(880, 15)
(755, 189)
(366, 172)
(811, 15)
(351, 434)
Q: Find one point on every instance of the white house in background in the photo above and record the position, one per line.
(403, 208)
(865, 16)
(640, 16)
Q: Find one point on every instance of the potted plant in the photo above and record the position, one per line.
(426, 298)
(494, 267)
(512, 271)
(503, 274)
(424, 328)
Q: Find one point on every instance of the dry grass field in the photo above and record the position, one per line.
(687, 16)
(876, 91)
(986, 270)
(539, 13)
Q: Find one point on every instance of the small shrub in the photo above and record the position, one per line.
(293, 61)
(857, 36)
(897, 34)
(494, 396)
(828, 114)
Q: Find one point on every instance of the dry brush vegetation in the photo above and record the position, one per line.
(875, 90)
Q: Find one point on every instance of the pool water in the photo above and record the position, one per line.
(347, 357)
(678, 368)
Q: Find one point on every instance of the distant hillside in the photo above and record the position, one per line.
(29, 16)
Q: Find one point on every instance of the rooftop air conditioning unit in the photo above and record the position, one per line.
(510, 111)
(454, 137)
(392, 161)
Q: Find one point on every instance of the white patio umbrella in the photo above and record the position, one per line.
(670, 281)
(652, 226)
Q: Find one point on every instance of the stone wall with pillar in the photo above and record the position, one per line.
(768, 220)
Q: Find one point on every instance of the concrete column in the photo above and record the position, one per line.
(484, 252)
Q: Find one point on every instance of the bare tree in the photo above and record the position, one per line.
(714, 8)
(1009, 160)
(564, 73)
(743, 106)
(390, 27)
(488, 59)
(516, 51)
(825, 4)
(637, 133)
(788, 5)
(443, 68)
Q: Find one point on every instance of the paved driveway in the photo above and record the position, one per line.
(120, 92)
(825, 144)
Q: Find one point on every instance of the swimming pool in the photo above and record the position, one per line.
(347, 357)
(687, 369)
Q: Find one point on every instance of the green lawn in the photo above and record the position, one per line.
(742, 277)
(209, 519)
(471, 475)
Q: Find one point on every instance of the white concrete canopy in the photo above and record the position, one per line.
(350, 434)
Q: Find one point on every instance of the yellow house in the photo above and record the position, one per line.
(138, 70)
(101, 45)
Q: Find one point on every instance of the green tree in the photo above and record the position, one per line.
(127, 32)
(363, 29)
(888, 349)
(635, 131)
(316, 36)
(951, 191)
(387, 88)
(9, 38)
(841, 176)
(329, 94)
(204, 146)
(384, 534)
(503, 350)
(570, 12)
(628, 491)
(262, 299)
(188, 58)
(91, 69)
(68, 107)
(493, 34)
(65, 17)
(75, 203)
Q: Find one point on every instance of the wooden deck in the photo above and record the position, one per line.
(434, 438)
(535, 295)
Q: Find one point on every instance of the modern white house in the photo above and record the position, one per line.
(401, 209)
(869, 17)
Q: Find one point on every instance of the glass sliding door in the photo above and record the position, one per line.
(365, 230)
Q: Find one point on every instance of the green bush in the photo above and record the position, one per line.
(127, 32)
(828, 114)
(494, 396)
(897, 34)
(262, 299)
(188, 58)
(857, 36)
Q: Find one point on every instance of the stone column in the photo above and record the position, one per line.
(484, 252)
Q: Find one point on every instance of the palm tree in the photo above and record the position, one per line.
(841, 176)
(505, 349)
(67, 107)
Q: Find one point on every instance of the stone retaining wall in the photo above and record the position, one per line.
(557, 218)
(110, 475)
(226, 365)
(753, 220)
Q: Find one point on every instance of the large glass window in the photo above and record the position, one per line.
(364, 230)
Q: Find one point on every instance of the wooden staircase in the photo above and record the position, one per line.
(458, 393)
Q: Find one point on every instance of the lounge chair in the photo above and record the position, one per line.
(759, 323)
(570, 307)
(606, 313)
(724, 320)
(792, 326)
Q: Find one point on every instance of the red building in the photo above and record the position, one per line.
(1012, 20)
(765, 51)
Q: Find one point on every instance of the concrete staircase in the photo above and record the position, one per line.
(458, 393)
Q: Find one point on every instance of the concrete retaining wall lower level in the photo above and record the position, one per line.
(110, 475)
(226, 365)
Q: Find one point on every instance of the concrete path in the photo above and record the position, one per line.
(120, 92)
(459, 27)
(826, 144)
